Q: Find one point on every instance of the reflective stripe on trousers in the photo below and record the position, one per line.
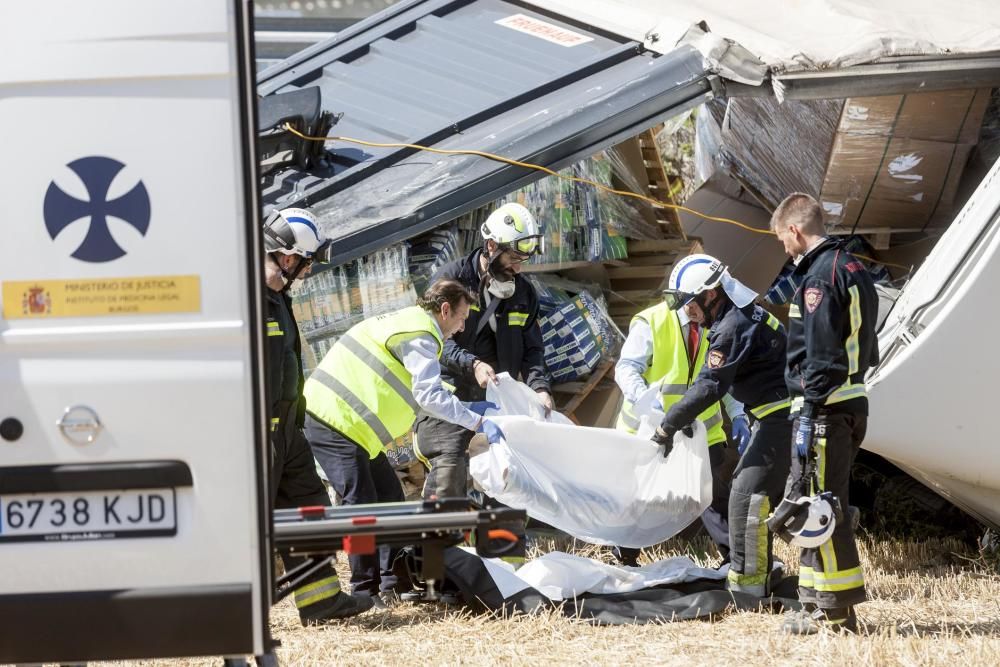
(317, 591)
(831, 579)
(753, 579)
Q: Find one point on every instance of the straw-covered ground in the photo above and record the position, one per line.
(933, 603)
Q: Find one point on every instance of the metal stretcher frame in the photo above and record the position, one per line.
(318, 533)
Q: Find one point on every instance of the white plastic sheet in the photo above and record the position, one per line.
(517, 398)
(559, 575)
(599, 485)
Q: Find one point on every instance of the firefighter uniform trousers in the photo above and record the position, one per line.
(295, 483)
(830, 576)
(758, 486)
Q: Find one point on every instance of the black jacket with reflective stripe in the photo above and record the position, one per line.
(745, 355)
(520, 351)
(837, 294)
(284, 356)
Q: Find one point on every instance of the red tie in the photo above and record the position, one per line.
(693, 340)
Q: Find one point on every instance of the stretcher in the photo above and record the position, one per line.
(431, 526)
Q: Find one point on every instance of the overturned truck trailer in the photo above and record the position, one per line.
(551, 81)
(932, 394)
(132, 439)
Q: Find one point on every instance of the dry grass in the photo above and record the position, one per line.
(933, 603)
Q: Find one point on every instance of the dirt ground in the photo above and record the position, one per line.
(932, 603)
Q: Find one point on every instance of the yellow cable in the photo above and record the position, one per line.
(550, 172)
(537, 167)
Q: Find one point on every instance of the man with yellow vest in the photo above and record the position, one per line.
(664, 348)
(366, 393)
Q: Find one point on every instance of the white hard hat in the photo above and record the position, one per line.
(699, 273)
(293, 231)
(821, 520)
(513, 226)
(806, 522)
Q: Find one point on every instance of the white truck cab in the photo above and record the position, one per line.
(133, 518)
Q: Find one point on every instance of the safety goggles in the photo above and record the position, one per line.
(523, 249)
(676, 299)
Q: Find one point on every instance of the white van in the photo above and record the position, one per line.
(132, 458)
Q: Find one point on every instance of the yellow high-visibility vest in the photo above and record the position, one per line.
(361, 389)
(671, 369)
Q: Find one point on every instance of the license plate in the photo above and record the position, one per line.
(91, 515)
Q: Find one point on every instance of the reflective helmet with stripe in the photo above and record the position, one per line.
(691, 276)
(293, 231)
(513, 226)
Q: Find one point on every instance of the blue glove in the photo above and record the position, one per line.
(804, 434)
(741, 433)
(480, 407)
(492, 431)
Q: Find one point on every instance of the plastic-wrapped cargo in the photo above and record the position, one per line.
(623, 217)
(333, 299)
(577, 331)
(890, 161)
(579, 222)
(430, 252)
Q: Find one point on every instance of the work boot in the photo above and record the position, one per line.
(840, 619)
(342, 605)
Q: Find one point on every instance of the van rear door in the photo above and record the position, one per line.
(132, 462)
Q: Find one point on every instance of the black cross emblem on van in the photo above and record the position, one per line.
(97, 174)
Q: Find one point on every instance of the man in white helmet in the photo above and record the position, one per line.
(501, 335)
(292, 242)
(746, 354)
(665, 348)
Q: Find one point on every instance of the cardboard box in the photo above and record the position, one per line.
(887, 162)
(903, 193)
(754, 259)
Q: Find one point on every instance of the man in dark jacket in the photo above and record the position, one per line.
(291, 241)
(746, 354)
(831, 345)
(500, 335)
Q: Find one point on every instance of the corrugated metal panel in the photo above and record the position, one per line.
(447, 74)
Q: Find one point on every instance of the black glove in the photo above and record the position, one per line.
(664, 437)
